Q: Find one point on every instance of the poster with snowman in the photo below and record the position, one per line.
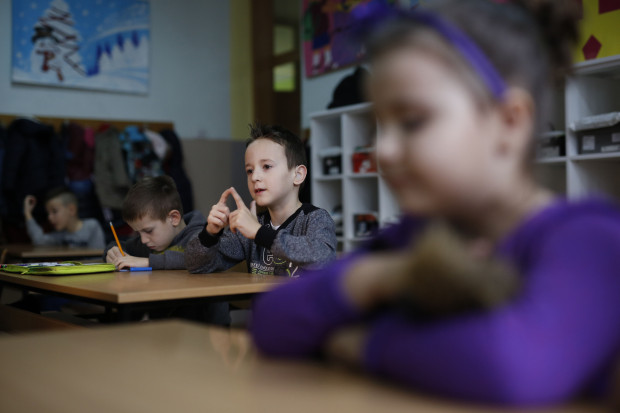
(90, 44)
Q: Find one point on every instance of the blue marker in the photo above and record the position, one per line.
(137, 269)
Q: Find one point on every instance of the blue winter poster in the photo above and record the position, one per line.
(91, 44)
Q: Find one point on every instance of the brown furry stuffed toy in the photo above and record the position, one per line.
(450, 274)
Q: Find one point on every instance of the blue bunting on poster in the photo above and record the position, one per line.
(91, 44)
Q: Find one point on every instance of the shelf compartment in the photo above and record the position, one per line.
(610, 156)
(362, 194)
(589, 177)
(360, 128)
(338, 112)
(327, 194)
(552, 176)
(605, 66)
(363, 175)
(327, 178)
(555, 160)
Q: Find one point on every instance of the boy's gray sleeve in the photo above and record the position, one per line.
(316, 247)
(206, 253)
(168, 260)
(38, 237)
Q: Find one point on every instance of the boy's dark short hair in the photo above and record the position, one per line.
(63, 193)
(152, 196)
(293, 146)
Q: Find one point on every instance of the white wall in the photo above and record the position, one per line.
(189, 78)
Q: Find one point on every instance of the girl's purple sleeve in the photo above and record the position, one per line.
(552, 342)
(295, 319)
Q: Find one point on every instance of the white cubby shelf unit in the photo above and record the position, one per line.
(347, 128)
(592, 89)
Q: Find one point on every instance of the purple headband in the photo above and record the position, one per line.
(373, 15)
(467, 48)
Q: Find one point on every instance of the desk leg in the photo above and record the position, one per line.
(109, 314)
(124, 314)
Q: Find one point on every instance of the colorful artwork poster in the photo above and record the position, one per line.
(329, 42)
(90, 44)
(598, 29)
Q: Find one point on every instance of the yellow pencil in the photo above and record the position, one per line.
(116, 238)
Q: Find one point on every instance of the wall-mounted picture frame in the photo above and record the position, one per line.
(329, 26)
(89, 44)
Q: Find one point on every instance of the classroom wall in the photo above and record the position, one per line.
(241, 69)
(209, 181)
(189, 79)
(316, 92)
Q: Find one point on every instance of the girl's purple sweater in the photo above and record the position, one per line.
(557, 339)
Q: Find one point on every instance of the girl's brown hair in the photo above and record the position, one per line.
(529, 42)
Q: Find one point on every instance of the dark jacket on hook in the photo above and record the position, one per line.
(33, 164)
(174, 167)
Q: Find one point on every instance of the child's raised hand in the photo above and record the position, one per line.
(218, 217)
(243, 219)
(29, 203)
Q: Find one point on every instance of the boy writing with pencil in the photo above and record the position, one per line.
(62, 212)
(289, 235)
(153, 209)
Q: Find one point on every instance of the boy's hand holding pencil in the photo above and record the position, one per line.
(120, 260)
(117, 256)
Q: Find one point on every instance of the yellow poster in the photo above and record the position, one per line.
(600, 29)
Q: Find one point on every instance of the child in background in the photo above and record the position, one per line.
(153, 209)
(460, 89)
(287, 236)
(62, 212)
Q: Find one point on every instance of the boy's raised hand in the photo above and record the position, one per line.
(243, 219)
(29, 203)
(218, 217)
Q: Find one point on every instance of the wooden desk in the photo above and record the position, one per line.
(27, 252)
(175, 366)
(128, 291)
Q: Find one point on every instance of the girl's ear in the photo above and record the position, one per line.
(517, 118)
(175, 217)
(300, 174)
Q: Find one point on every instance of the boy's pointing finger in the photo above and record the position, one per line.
(225, 195)
(237, 198)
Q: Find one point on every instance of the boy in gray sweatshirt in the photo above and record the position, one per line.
(154, 210)
(287, 236)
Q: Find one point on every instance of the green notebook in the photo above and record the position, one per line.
(57, 268)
